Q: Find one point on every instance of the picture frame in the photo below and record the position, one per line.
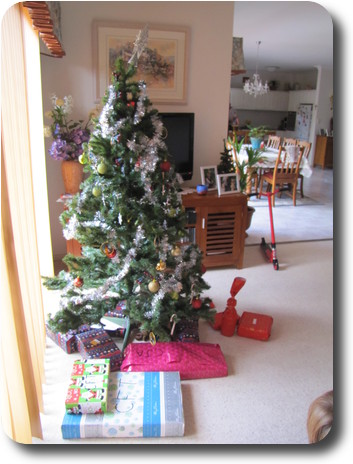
(209, 176)
(228, 183)
(167, 47)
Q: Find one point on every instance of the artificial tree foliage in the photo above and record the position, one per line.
(226, 165)
(129, 219)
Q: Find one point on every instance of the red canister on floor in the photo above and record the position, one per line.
(230, 318)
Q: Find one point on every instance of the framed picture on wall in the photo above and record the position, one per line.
(228, 183)
(209, 176)
(162, 65)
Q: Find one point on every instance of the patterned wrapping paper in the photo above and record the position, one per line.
(67, 341)
(88, 388)
(96, 344)
(140, 404)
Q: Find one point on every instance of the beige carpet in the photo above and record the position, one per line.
(266, 396)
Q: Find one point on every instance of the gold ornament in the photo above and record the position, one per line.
(153, 286)
(161, 266)
(176, 251)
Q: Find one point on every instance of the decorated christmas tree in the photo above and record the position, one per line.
(226, 165)
(129, 219)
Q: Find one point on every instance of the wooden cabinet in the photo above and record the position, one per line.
(272, 101)
(218, 225)
(324, 151)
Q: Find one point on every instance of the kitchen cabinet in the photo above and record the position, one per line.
(273, 101)
(324, 151)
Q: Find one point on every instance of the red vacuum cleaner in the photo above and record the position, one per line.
(270, 250)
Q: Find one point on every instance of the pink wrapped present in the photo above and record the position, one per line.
(191, 360)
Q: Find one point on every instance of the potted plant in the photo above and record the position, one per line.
(245, 168)
(256, 135)
(69, 138)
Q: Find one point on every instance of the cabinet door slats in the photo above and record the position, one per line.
(220, 233)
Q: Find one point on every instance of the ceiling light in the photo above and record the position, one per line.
(255, 87)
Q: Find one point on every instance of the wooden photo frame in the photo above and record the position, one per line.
(167, 50)
(209, 176)
(228, 183)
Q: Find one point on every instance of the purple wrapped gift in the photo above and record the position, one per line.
(66, 341)
(96, 344)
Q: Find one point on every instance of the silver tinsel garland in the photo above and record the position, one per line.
(103, 292)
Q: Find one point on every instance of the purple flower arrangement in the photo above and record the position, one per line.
(69, 136)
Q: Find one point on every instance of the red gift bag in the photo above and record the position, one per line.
(191, 360)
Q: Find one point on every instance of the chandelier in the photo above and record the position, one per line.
(255, 87)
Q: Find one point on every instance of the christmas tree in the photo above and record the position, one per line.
(226, 165)
(129, 219)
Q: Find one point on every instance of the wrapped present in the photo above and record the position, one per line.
(187, 330)
(88, 388)
(116, 323)
(97, 344)
(94, 367)
(191, 360)
(254, 325)
(140, 404)
(67, 341)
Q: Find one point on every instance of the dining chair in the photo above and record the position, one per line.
(287, 141)
(286, 172)
(307, 147)
(273, 141)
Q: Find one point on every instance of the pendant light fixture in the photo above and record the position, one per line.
(255, 87)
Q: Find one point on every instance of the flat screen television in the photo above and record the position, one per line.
(180, 141)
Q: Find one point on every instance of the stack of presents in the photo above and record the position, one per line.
(135, 390)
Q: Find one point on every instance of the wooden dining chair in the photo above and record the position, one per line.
(273, 141)
(285, 173)
(287, 141)
(307, 147)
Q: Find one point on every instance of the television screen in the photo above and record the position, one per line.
(180, 141)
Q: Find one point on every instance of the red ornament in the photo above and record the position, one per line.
(111, 254)
(131, 103)
(203, 268)
(196, 303)
(78, 282)
(165, 166)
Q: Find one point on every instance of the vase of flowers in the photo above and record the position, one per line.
(68, 139)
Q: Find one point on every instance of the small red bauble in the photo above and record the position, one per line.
(111, 254)
(165, 166)
(196, 303)
(78, 282)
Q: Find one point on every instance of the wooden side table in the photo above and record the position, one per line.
(218, 226)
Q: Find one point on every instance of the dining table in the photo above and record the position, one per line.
(270, 156)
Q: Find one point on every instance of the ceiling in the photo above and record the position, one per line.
(294, 35)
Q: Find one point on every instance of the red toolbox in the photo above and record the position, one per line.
(253, 325)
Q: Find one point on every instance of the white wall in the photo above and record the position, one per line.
(211, 25)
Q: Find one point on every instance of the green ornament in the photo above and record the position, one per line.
(96, 191)
(102, 168)
(82, 158)
(174, 296)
